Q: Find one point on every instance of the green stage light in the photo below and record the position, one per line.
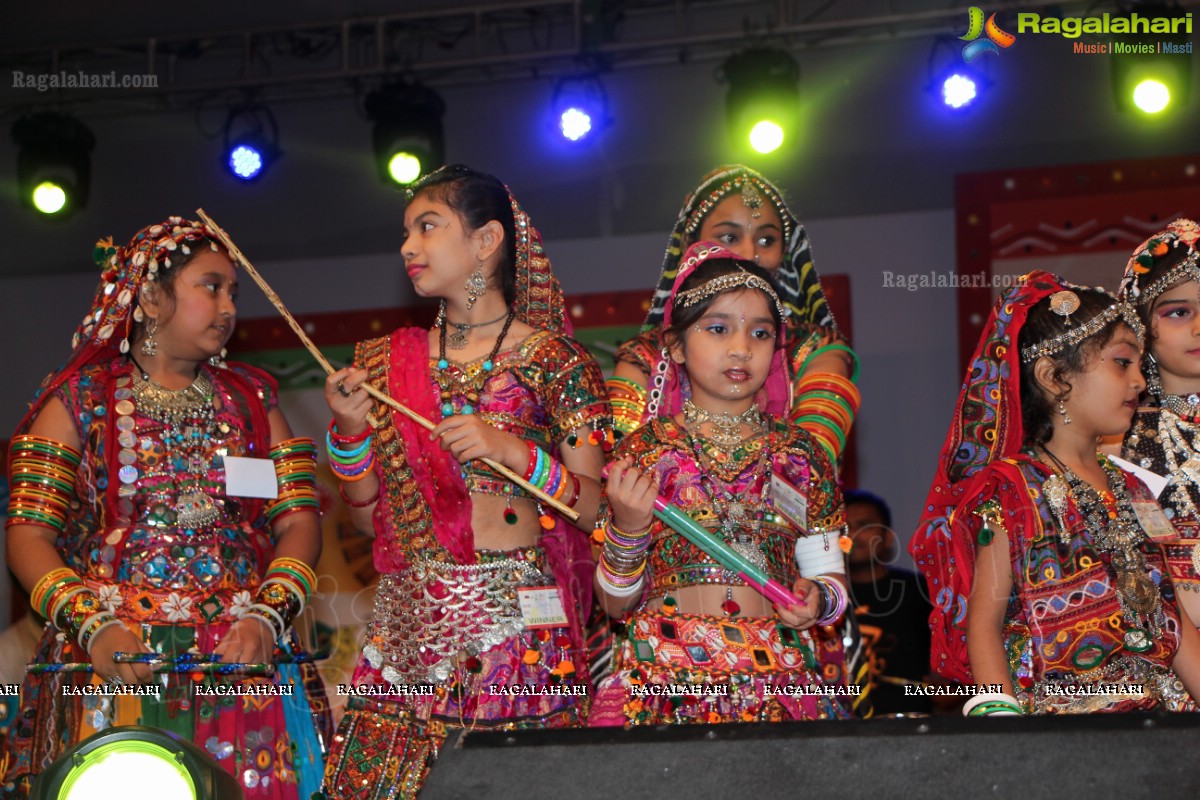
(764, 97)
(407, 134)
(1151, 96)
(49, 197)
(404, 167)
(167, 768)
(53, 162)
(766, 136)
(1154, 78)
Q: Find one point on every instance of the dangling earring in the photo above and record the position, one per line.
(1153, 379)
(476, 286)
(1062, 409)
(149, 346)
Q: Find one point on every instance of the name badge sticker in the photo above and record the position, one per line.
(1154, 522)
(789, 501)
(541, 607)
(251, 477)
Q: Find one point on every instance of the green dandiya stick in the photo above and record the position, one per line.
(722, 553)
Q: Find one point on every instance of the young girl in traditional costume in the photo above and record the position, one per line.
(725, 452)
(482, 589)
(1045, 549)
(134, 532)
(1162, 280)
(740, 209)
(737, 207)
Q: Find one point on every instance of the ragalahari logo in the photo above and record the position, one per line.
(996, 38)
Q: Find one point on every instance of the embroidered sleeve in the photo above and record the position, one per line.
(266, 386)
(574, 390)
(642, 351)
(826, 512)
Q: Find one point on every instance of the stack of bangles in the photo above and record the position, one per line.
(623, 561)
(833, 600)
(296, 471)
(351, 459)
(286, 587)
(62, 597)
(42, 476)
(628, 400)
(827, 404)
(548, 474)
(992, 704)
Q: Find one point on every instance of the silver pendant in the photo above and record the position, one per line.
(458, 339)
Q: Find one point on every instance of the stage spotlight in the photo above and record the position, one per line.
(1155, 77)
(764, 97)
(580, 107)
(407, 134)
(958, 90)
(1151, 96)
(53, 163)
(166, 768)
(954, 86)
(251, 140)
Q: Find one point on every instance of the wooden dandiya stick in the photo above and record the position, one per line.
(558, 506)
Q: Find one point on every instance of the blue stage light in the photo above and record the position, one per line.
(580, 107)
(246, 162)
(959, 90)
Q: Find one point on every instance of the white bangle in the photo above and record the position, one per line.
(813, 559)
(992, 697)
(616, 591)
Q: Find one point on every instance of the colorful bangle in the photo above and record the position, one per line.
(42, 480)
(343, 439)
(835, 601)
(50, 587)
(354, 503)
(286, 587)
(628, 399)
(296, 474)
(825, 406)
(834, 347)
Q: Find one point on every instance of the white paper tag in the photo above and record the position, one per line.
(1154, 522)
(250, 477)
(541, 607)
(1154, 482)
(789, 501)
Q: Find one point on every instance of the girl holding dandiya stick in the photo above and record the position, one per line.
(723, 451)
(482, 588)
(135, 532)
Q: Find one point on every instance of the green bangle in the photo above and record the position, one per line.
(829, 347)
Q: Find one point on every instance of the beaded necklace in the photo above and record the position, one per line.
(741, 518)
(726, 428)
(468, 387)
(1115, 530)
(189, 426)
